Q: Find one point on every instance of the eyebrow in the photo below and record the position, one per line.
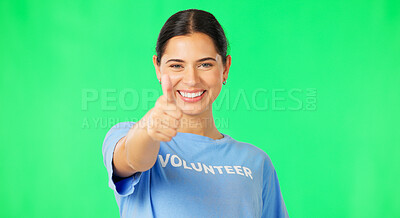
(200, 60)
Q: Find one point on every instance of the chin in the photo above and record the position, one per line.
(193, 109)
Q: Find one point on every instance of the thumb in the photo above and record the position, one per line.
(167, 88)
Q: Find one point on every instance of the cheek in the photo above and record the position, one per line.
(214, 91)
(212, 77)
(214, 83)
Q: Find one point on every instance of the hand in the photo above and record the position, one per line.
(165, 116)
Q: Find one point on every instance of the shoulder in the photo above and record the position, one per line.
(252, 150)
(259, 157)
(256, 155)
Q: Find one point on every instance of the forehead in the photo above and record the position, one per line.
(193, 46)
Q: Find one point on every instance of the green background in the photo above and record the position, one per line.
(69, 71)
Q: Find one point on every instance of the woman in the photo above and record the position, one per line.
(174, 162)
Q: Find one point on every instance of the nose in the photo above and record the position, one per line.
(191, 77)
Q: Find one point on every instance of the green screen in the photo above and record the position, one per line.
(314, 84)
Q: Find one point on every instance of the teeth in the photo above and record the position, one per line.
(191, 95)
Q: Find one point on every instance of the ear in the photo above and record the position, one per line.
(156, 67)
(227, 67)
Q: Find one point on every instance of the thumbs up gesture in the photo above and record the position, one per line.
(165, 116)
(167, 89)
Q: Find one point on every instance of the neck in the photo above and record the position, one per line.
(200, 124)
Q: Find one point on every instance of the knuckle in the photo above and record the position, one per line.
(179, 113)
(176, 122)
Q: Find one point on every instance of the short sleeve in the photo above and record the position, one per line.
(273, 204)
(121, 186)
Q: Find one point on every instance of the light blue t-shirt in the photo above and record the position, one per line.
(197, 176)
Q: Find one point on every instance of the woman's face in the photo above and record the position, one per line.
(193, 65)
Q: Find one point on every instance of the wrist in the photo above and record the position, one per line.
(145, 124)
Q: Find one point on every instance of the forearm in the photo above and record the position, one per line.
(141, 149)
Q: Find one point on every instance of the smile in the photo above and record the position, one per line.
(191, 96)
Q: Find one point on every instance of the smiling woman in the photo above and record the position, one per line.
(200, 72)
(174, 162)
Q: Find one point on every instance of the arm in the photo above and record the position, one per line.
(136, 151)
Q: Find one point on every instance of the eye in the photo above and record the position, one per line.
(176, 66)
(206, 65)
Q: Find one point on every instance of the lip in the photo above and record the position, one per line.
(192, 100)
